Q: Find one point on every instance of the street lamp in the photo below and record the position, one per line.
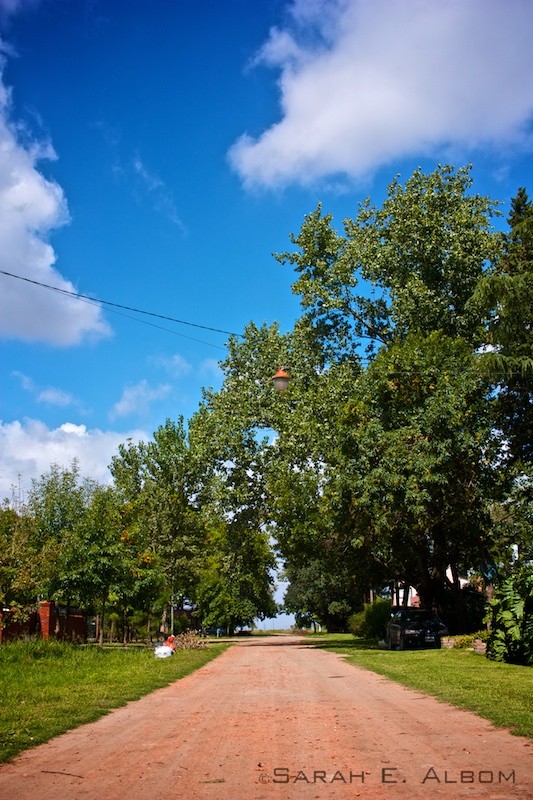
(281, 380)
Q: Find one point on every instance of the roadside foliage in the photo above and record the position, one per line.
(399, 455)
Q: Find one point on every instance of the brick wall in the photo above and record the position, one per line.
(50, 621)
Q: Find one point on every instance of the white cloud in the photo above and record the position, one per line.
(137, 399)
(164, 202)
(50, 395)
(56, 397)
(31, 206)
(175, 365)
(28, 449)
(27, 383)
(363, 83)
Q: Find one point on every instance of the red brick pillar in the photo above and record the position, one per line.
(46, 618)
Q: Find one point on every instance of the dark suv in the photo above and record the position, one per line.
(414, 627)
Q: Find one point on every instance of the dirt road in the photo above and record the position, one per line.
(275, 718)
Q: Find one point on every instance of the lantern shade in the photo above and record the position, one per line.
(281, 380)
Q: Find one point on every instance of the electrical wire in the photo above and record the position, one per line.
(97, 301)
(153, 325)
(113, 306)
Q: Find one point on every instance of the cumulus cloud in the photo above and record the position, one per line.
(31, 207)
(29, 448)
(365, 82)
(137, 399)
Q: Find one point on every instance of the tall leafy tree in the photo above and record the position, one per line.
(58, 501)
(404, 479)
(104, 562)
(171, 515)
(156, 482)
(18, 558)
(506, 294)
(420, 458)
(421, 255)
(237, 583)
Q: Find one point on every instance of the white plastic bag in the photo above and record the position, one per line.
(163, 651)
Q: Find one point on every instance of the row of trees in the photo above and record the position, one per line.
(148, 549)
(400, 453)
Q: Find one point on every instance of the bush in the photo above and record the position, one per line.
(468, 639)
(510, 614)
(372, 622)
(356, 622)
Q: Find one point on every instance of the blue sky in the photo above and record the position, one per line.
(156, 154)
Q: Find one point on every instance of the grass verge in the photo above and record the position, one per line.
(48, 688)
(500, 693)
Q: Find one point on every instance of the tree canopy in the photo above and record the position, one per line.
(400, 453)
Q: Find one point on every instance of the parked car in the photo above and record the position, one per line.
(414, 627)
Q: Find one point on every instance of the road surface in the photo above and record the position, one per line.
(277, 718)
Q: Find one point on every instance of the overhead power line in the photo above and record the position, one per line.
(79, 296)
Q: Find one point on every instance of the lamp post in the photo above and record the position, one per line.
(281, 380)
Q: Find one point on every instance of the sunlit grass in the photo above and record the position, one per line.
(497, 692)
(50, 687)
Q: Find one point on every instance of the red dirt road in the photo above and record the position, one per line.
(275, 718)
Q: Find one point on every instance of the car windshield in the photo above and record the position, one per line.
(417, 616)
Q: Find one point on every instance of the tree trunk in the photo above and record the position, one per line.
(102, 621)
(163, 628)
(124, 627)
(149, 627)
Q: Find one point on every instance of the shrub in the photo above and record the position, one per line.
(356, 622)
(372, 622)
(468, 639)
(510, 614)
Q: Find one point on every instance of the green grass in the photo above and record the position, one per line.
(47, 688)
(497, 692)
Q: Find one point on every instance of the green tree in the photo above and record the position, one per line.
(172, 516)
(422, 254)
(420, 460)
(156, 481)
(397, 458)
(58, 501)
(506, 294)
(18, 559)
(236, 585)
(107, 562)
(237, 582)
(321, 591)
